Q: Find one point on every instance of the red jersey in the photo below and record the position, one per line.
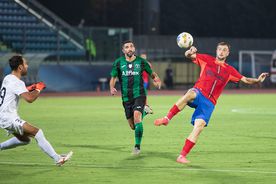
(145, 75)
(214, 76)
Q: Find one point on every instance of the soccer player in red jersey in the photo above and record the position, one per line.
(145, 76)
(214, 75)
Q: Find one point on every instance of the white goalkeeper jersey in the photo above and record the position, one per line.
(11, 89)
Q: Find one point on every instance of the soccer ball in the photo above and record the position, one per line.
(184, 40)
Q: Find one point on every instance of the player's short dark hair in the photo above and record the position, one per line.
(15, 61)
(127, 41)
(226, 44)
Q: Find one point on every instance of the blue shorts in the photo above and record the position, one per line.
(146, 85)
(203, 107)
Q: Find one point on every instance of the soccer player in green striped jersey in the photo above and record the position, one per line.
(128, 69)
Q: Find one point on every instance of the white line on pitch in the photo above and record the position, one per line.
(128, 167)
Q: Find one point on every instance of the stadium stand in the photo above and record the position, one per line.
(23, 29)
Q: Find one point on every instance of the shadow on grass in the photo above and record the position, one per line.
(125, 149)
(163, 155)
(98, 147)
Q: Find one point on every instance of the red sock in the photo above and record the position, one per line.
(173, 111)
(187, 147)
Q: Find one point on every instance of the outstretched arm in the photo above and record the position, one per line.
(112, 83)
(191, 53)
(260, 79)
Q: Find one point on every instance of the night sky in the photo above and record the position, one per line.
(205, 18)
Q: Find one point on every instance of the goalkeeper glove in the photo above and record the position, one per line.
(40, 86)
(31, 87)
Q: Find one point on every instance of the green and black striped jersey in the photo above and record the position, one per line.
(130, 76)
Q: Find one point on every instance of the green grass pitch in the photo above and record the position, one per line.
(238, 146)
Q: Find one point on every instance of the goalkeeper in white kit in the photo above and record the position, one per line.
(12, 88)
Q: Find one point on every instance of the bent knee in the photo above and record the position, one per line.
(30, 130)
(137, 116)
(191, 95)
(199, 124)
(188, 97)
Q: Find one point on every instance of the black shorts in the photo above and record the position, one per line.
(137, 104)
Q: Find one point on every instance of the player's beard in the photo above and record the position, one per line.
(130, 54)
(221, 58)
(24, 73)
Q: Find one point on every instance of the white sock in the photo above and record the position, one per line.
(12, 143)
(46, 146)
